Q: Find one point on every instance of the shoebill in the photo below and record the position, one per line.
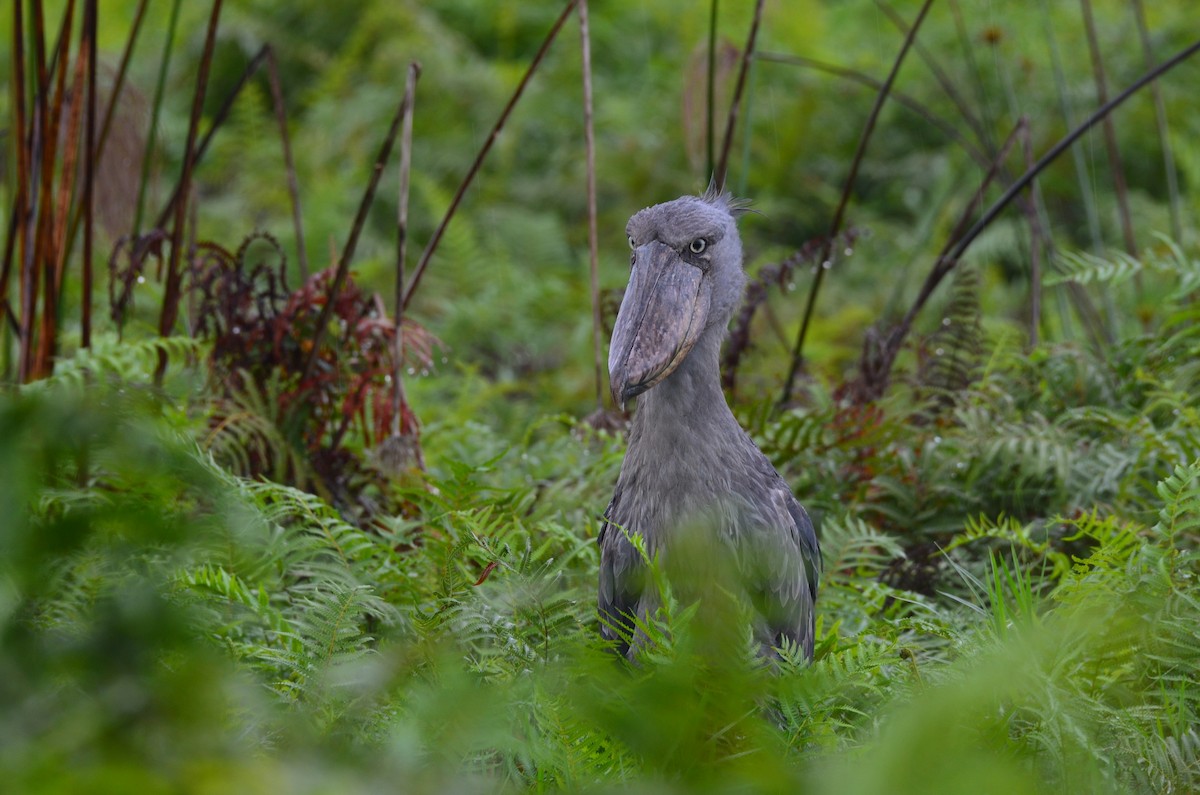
(690, 470)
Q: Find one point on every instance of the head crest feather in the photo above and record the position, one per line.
(720, 197)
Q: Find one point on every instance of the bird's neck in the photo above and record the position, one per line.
(687, 409)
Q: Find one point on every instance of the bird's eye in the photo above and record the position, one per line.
(698, 245)
(631, 243)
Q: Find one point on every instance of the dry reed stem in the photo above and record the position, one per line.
(589, 141)
(399, 400)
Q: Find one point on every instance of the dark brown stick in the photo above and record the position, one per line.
(798, 351)
(90, 14)
(432, 245)
(731, 120)
(170, 307)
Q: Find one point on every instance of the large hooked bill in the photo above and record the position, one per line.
(662, 315)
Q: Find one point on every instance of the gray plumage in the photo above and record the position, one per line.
(689, 464)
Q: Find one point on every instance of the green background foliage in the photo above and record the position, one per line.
(1009, 533)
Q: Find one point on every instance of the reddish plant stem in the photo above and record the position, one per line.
(47, 345)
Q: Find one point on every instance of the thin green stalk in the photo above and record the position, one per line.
(1160, 120)
(288, 163)
(944, 81)
(1088, 314)
(589, 142)
(1110, 132)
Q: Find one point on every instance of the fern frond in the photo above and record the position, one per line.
(1180, 514)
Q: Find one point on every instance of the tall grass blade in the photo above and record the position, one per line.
(1110, 132)
(17, 239)
(1161, 124)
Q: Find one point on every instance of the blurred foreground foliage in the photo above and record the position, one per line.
(170, 626)
(1010, 533)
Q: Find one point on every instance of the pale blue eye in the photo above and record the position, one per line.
(698, 245)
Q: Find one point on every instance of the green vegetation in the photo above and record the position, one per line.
(223, 568)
